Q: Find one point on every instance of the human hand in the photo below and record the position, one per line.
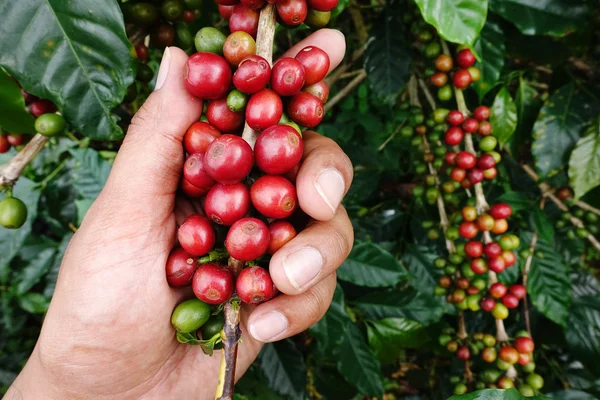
(107, 333)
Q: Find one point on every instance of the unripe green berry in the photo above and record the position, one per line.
(488, 143)
(209, 39)
(50, 124)
(236, 100)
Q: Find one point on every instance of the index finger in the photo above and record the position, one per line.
(331, 41)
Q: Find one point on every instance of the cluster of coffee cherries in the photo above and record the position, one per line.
(588, 218)
(461, 70)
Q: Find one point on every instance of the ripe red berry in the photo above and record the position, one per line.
(243, 19)
(475, 176)
(253, 4)
(189, 16)
(15, 139)
(181, 266)
(458, 174)
(264, 109)
(281, 232)
(4, 145)
(225, 11)
(454, 135)
(42, 106)
(492, 250)
(28, 97)
(439, 79)
(220, 116)
(498, 290)
(455, 118)
(524, 345)
(191, 190)
(247, 239)
(524, 358)
(195, 172)
(305, 109)
(207, 76)
(450, 158)
(465, 160)
(323, 5)
(462, 283)
(486, 161)
(292, 12)
(489, 354)
(463, 353)
(199, 136)
(470, 125)
(509, 354)
(501, 211)
(468, 230)
(564, 193)
(213, 283)
(196, 235)
(320, 90)
(490, 173)
(226, 204)
(274, 196)
(479, 266)
(469, 213)
(228, 159)
(287, 76)
(465, 58)
(444, 63)
(278, 149)
(510, 301)
(485, 128)
(482, 113)
(315, 62)
(445, 281)
(238, 46)
(254, 286)
(141, 51)
(474, 249)
(518, 290)
(466, 184)
(252, 74)
(509, 258)
(487, 304)
(461, 79)
(497, 264)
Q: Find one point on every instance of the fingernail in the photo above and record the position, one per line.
(330, 186)
(163, 71)
(302, 266)
(268, 326)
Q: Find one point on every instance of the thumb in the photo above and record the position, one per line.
(148, 166)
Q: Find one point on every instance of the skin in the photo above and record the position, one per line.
(107, 333)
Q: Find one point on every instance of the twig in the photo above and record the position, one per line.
(526, 271)
(585, 206)
(350, 74)
(344, 92)
(389, 139)
(332, 78)
(10, 172)
(427, 94)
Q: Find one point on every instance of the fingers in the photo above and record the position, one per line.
(285, 315)
(314, 254)
(331, 41)
(324, 177)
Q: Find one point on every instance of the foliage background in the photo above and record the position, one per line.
(539, 63)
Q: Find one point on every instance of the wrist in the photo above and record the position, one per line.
(32, 383)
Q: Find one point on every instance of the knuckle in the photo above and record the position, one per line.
(317, 302)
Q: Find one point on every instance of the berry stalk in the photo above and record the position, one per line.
(10, 172)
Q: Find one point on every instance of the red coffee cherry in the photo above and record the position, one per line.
(254, 286)
(510, 301)
(509, 258)
(196, 235)
(15, 139)
(141, 51)
(475, 175)
(486, 161)
(462, 283)
(199, 136)
(468, 229)
(461, 79)
(498, 290)
(524, 345)
(463, 353)
(189, 16)
(469, 213)
(474, 249)
(466, 184)
(485, 222)
(518, 290)
(465, 58)
(225, 11)
(306, 110)
(287, 76)
(323, 5)
(238, 46)
(264, 109)
(247, 239)
(244, 19)
(454, 136)
(487, 304)
(42, 106)
(458, 174)
(490, 173)
(470, 125)
(4, 145)
(292, 12)
(450, 158)
(316, 63)
(228, 159)
(280, 232)
(226, 204)
(28, 97)
(320, 90)
(465, 160)
(253, 4)
(252, 74)
(497, 264)
(482, 113)
(221, 117)
(274, 196)
(439, 79)
(213, 283)
(227, 2)
(524, 359)
(191, 190)
(479, 266)
(207, 76)
(492, 250)
(564, 193)
(500, 211)
(485, 128)
(278, 149)
(444, 63)
(455, 118)
(195, 172)
(181, 266)
(509, 354)
(489, 354)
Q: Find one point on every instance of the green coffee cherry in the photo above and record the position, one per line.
(144, 14)
(209, 39)
(535, 381)
(439, 263)
(236, 100)
(502, 365)
(488, 143)
(213, 326)
(190, 315)
(581, 233)
(13, 213)
(172, 10)
(526, 390)
(192, 4)
(450, 269)
(144, 73)
(456, 258)
(407, 132)
(460, 388)
(440, 114)
(433, 50)
(445, 93)
(529, 367)
(183, 36)
(452, 233)
(439, 291)
(591, 217)
(317, 19)
(50, 124)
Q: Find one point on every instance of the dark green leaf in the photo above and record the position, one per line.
(387, 57)
(528, 106)
(549, 17)
(329, 330)
(283, 367)
(542, 225)
(390, 336)
(504, 116)
(34, 270)
(490, 47)
(517, 200)
(357, 364)
(13, 116)
(419, 261)
(496, 394)
(35, 303)
(571, 394)
(558, 127)
(370, 265)
(91, 172)
(341, 6)
(456, 21)
(584, 163)
(74, 53)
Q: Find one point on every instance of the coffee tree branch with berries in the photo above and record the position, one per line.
(474, 131)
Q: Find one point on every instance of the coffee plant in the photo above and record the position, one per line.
(474, 131)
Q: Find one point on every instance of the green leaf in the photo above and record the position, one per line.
(370, 265)
(584, 163)
(490, 47)
(559, 127)
(387, 57)
(458, 21)
(35, 303)
(13, 116)
(341, 6)
(390, 336)
(357, 364)
(517, 200)
(90, 174)
(329, 330)
(548, 284)
(542, 225)
(504, 116)
(572, 394)
(496, 394)
(75, 53)
(528, 106)
(419, 260)
(284, 369)
(34, 270)
(549, 17)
